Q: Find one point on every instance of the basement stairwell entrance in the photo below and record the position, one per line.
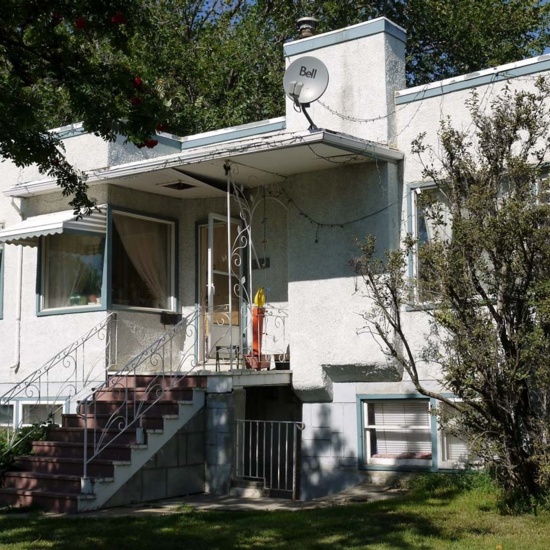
(267, 444)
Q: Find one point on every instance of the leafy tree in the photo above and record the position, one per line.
(447, 38)
(74, 60)
(126, 66)
(487, 272)
(222, 61)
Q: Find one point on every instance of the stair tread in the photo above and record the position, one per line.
(42, 475)
(40, 458)
(38, 492)
(48, 443)
(54, 481)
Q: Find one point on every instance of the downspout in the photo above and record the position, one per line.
(18, 290)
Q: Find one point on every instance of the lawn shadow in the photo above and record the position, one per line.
(389, 524)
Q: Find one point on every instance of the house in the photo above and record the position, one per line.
(167, 277)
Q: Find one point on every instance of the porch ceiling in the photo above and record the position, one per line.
(199, 172)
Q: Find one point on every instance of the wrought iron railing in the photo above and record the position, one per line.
(227, 341)
(165, 363)
(51, 389)
(269, 451)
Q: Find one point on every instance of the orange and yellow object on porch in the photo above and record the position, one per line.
(258, 312)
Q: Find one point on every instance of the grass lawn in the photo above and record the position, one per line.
(425, 518)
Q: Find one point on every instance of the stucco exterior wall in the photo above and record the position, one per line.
(91, 152)
(329, 444)
(366, 65)
(325, 297)
(422, 109)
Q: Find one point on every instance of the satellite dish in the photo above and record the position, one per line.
(306, 80)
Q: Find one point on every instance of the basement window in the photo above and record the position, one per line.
(6, 415)
(41, 413)
(397, 432)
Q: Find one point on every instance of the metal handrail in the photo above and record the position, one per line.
(43, 387)
(169, 359)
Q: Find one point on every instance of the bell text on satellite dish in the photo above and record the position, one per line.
(306, 80)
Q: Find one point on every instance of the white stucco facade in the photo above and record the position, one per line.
(312, 193)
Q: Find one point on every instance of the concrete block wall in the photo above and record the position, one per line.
(177, 469)
(220, 421)
(329, 444)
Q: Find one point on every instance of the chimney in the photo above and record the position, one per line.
(307, 26)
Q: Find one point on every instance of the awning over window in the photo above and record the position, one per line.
(29, 231)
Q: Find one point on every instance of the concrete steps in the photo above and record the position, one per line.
(51, 477)
(246, 488)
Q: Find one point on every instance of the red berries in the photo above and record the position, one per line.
(118, 18)
(138, 82)
(80, 23)
(161, 127)
(149, 143)
(135, 101)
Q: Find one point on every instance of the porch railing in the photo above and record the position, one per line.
(228, 340)
(269, 451)
(52, 389)
(165, 363)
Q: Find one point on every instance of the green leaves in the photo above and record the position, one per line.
(73, 61)
(487, 277)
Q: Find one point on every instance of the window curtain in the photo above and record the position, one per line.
(146, 243)
(68, 268)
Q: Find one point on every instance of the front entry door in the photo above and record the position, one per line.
(220, 292)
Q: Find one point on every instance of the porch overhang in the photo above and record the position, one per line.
(199, 171)
(28, 232)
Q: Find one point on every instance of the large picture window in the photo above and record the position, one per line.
(72, 273)
(142, 262)
(139, 273)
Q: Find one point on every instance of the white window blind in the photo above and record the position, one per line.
(399, 429)
(399, 412)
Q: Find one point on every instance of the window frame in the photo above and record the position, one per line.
(436, 436)
(395, 463)
(445, 463)
(106, 285)
(40, 292)
(414, 190)
(173, 247)
(44, 402)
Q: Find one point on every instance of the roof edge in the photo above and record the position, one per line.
(492, 75)
(361, 30)
(213, 151)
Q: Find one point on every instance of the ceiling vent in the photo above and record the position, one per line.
(177, 185)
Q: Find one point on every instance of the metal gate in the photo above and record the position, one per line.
(268, 450)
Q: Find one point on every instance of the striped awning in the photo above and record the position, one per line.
(28, 232)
